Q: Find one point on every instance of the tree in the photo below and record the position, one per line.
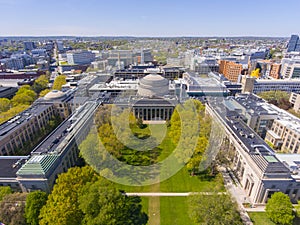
(215, 209)
(280, 209)
(4, 104)
(12, 112)
(4, 191)
(34, 203)
(23, 89)
(23, 99)
(59, 82)
(12, 209)
(193, 139)
(24, 96)
(103, 204)
(44, 92)
(40, 83)
(278, 98)
(62, 206)
(255, 73)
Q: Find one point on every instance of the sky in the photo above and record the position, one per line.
(163, 18)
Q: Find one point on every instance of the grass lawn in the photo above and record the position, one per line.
(145, 204)
(182, 181)
(171, 210)
(174, 211)
(260, 218)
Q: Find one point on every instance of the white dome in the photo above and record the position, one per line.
(54, 94)
(153, 85)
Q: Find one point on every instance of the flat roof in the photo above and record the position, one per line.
(9, 165)
(21, 119)
(263, 156)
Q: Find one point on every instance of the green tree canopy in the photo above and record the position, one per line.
(23, 89)
(103, 204)
(59, 82)
(40, 83)
(194, 132)
(215, 209)
(278, 98)
(12, 209)
(62, 206)
(12, 112)
(4, 104)
(44, 92)
(280, 209)
(34, 203)
(23, 98)
(4, 191)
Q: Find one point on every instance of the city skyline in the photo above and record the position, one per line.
(155, 19)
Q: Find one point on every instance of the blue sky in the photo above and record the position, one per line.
(150, 18)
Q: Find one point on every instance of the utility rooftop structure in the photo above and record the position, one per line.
(205, 85)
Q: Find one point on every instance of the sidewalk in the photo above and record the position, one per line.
(234, 188)
(170, 194)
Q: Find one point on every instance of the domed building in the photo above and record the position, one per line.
(153, 101)
(54, 94)
(62, 101)
(153, 85)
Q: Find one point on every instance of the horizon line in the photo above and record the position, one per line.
(148, 36)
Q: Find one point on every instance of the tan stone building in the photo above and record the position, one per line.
(285, 135)
(295, 101)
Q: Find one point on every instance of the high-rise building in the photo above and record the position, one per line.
(294, 44)
(29, 45)
(60, 46)
(230, 70)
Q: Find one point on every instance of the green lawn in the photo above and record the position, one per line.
(174, 211)
(171, 210)
(260, 218)
(182, 181)
(145, 204)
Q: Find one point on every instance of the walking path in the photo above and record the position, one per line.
(235, 189)
(231, 184)
(170, 194)
(154, 206)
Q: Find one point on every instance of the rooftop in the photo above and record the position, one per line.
(261, 154)
(21, 119)
(38, 165)
(292, 161)
(54, 94)
(9, 165)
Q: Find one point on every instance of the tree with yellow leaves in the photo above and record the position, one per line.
(255, 73)
(59, 82)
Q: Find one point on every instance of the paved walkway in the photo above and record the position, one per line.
(235, 189)
(170, 194)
